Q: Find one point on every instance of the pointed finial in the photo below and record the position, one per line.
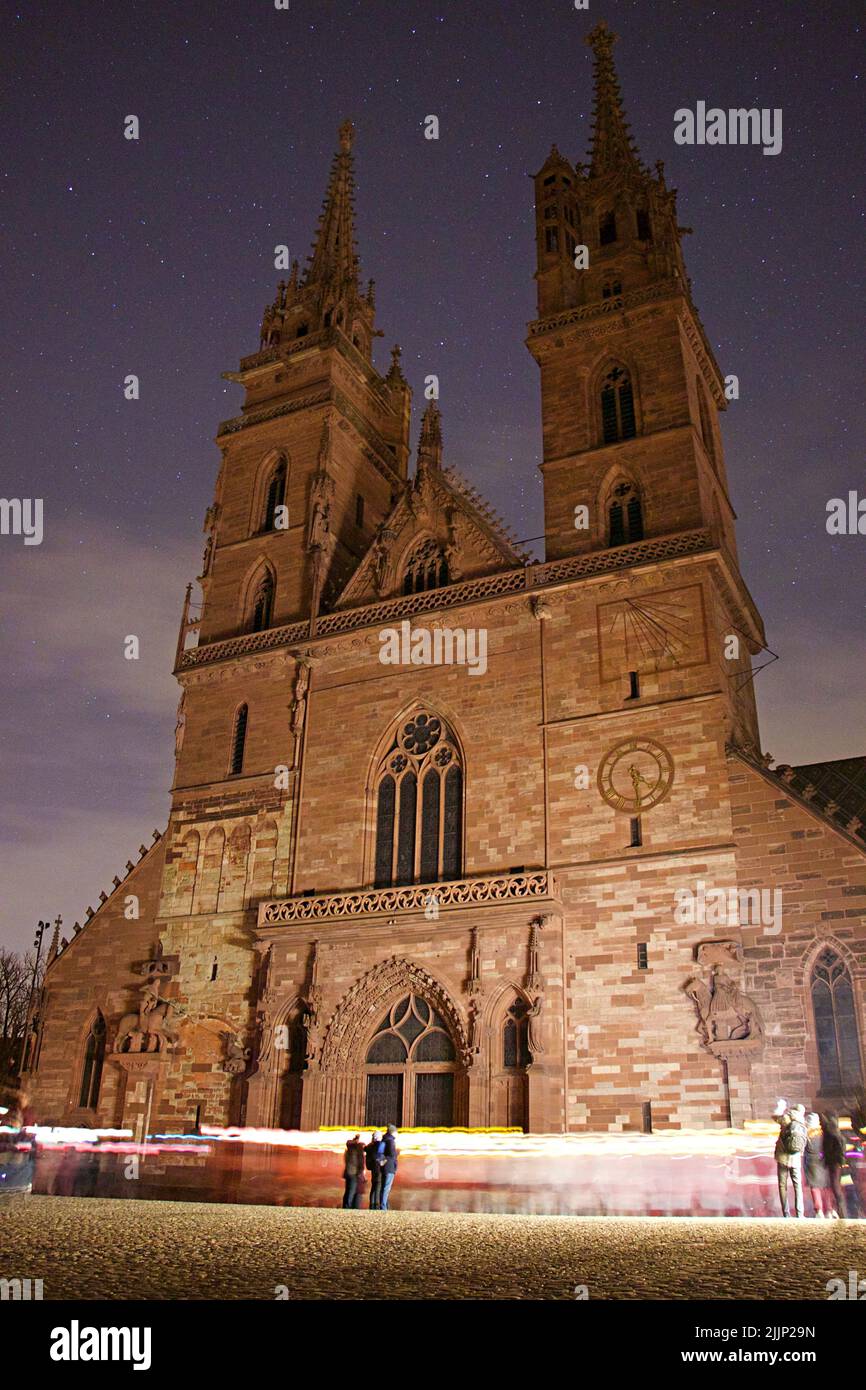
(395, 371)
(601, 39)
(347, 136)
(612, 145)
(430, 441)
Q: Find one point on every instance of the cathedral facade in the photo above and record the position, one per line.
(457, 837)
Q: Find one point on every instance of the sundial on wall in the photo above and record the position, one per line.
(635, 775)
(652, 632)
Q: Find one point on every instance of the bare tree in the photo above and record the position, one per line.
(16, 977)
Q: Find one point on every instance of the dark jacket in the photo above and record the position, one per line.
(390, 1147)
(354, 1164)
(834, 1148)
(374, 1151)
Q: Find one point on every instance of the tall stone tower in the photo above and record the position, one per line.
(310, 468)
(630, 389)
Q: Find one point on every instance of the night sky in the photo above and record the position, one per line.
(156, 257)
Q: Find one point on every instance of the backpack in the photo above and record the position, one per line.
(794, 1137)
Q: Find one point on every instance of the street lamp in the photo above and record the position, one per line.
(41, 929)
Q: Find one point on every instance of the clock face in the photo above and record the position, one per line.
(635, 775)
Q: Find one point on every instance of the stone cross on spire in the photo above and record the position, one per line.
(613, 149)
(333, 255)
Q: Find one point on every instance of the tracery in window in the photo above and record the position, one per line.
(419, 805)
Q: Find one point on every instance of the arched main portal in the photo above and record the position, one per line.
(394, 1052)
(410, 1068)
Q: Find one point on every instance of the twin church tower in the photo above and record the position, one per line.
(391, 892)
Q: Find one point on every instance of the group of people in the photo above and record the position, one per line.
(810, 1149)
(378, 1158)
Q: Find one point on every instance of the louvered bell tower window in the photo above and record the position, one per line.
(617, 406)
(625, 515)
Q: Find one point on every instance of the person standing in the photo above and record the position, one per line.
(375, 1159)
(834, 1158)
(390, 1165)
(814, 1168)
(790, 1146)
(353, 1170)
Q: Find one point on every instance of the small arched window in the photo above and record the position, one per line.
(262, 606)
(607, 228)
(239, 738)
(419, 805)
(91, 1072)
(617, 406)
(611, 289)
(624, 514)
(275, 495)
(515, 1037)
(838, 1045)
(427, 568)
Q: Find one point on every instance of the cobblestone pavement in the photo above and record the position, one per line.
(114, 1249)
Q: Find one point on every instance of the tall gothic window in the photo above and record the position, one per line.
(617, 406)
(275, 495)
(94, 1055)
(419, 805)
(262, 607)
(427, 568)
(625, 515)
(607, 228)
(835, 1024)
(239, 738)
(643, 225)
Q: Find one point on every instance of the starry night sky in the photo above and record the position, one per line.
(156, 257)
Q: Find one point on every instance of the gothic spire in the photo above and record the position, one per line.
(613, 148)
(333, 255)
(430, 440)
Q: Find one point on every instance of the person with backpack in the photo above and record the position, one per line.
(790, 1147)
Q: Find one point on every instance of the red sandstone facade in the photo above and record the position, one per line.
(440, 895)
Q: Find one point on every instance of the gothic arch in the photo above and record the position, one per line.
(233, 888)
(207, 886)
(617, 477)
(90, 1060)
(423, 565)
(450, 860)
(260, 572)
(359, 1012)
(614, 373)
(186, 873)
(828, 964)
(265, 471)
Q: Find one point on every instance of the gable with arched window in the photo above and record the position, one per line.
(426, 568)
(418, 797)
(836, 1036)
(618, 419)
(94, 1057)
(624, 510)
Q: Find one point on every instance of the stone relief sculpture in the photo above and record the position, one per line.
(728, 1019)
(149, 1028)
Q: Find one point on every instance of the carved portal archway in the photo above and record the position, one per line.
(351, 1072)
